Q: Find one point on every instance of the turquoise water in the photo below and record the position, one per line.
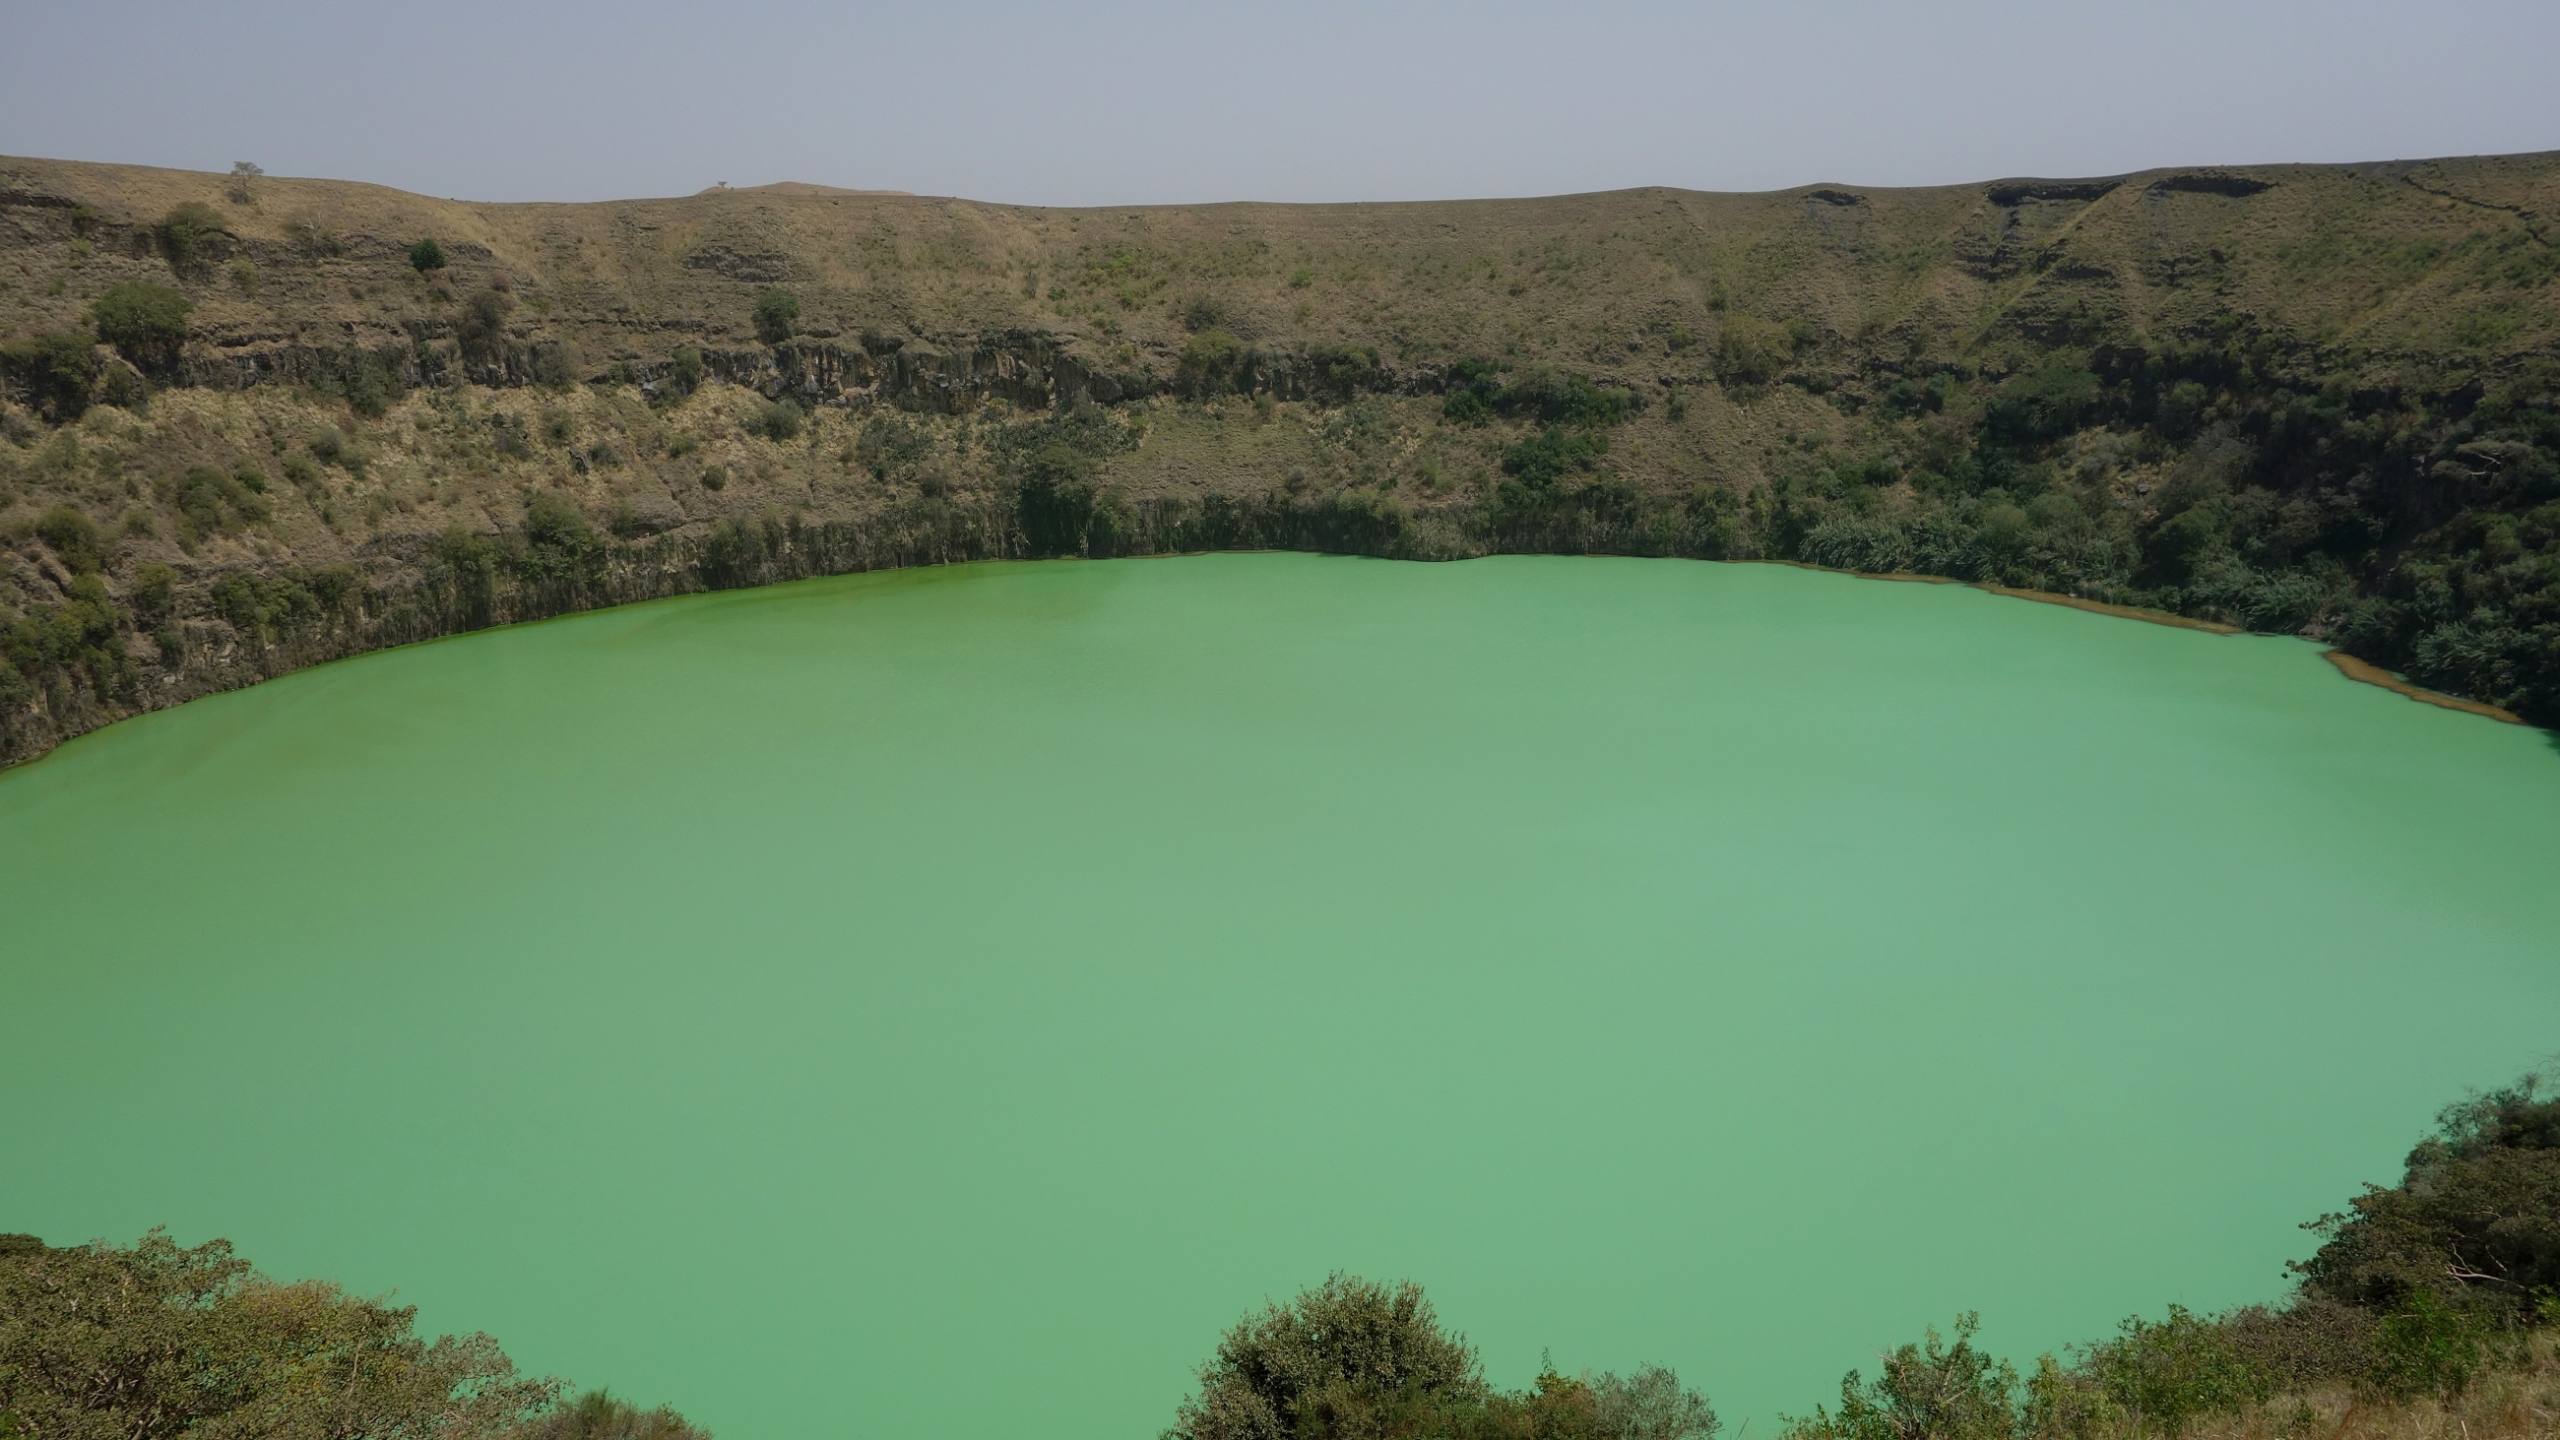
(939, 1002)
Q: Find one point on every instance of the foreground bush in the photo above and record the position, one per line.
(161, 1340)
(2429, 1311)
(1356, 1358)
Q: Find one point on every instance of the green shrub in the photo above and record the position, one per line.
(777, 420)
(684, 370)
(715, 477)
(74, 538)
(1204, 312)
(2474, 1222)
(1929, 1391)
(553, 365)
(2165, 1375)
(1348, 1358)
(1055, 500)
(1338, 372)
(1213, 362)
(187, 234)
(1545, 458)
(371, 387)
(596, 1415)
(560, 548)
(316, 241)
(154, 594)
(777, 313)
(1474, 388)
(1751, 351)
(426, 255)
(2430, 1346)
(1476, 394)
(738, 552)
(210, 502)
(147, 322)
(246, 1350)
(2042, 405)
(480, 331)
(123, 387)
(57, 371)
(1551, 397)
(892, 445)
(513, 439)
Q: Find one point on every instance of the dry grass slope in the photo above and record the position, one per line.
(1816, 374)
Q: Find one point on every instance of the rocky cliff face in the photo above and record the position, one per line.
(2297, 398)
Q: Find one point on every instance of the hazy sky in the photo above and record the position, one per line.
(1119, 101)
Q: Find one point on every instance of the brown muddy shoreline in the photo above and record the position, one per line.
(2372, 674)
(2362, 671)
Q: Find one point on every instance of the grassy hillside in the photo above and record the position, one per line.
(252, 423)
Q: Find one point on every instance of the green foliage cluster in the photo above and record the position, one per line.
(1213, 362)
(267, 608)
(1087, 428)
(1554, 491)
(187, 236)
(778, 420)
(2418, 1291)
(1476, 393)
(2474, 1221)
(1353, 1358)
(684, 371)
(741, 552)
(77, 641)
(1056, 464)
(596, 1415)
(74, 539)
(892, 446)
(162, 1342)
(426, 255)
(211, 502)
(480, 331)
(1751, 351)
(777, 314)
(2420, 536)
(1335, 373)
(147, 322)
(1055, 499)
(55, 371)
(371, 382)
(552, 365)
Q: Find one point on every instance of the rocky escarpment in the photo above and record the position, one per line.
(247, 425)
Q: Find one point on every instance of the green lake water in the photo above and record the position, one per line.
(940, 1002)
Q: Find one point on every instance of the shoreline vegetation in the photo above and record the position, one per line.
(249, 428)
(2346, 665)
(2431, 1308)
(2362, 671)
(2372, 674)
